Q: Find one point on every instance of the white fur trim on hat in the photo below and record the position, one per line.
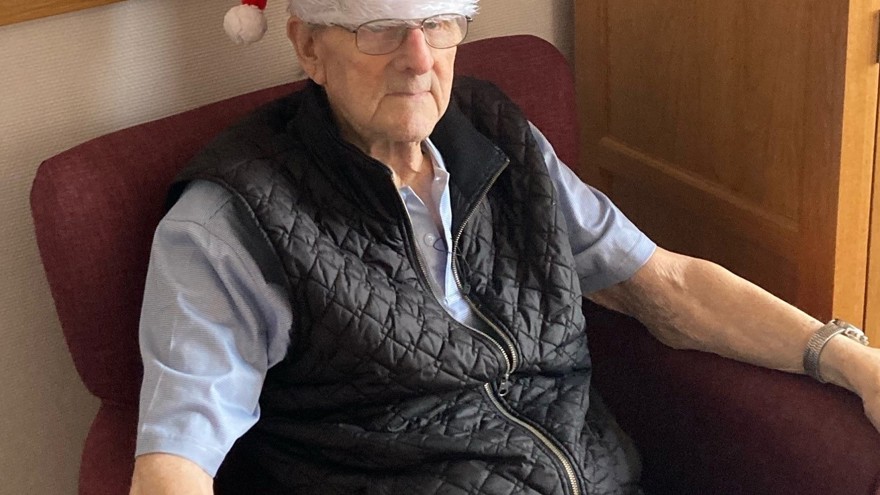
(246, 23)
(356, 12)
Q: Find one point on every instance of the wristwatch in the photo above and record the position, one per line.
(819, 339)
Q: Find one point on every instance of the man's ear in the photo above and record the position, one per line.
(303, 37)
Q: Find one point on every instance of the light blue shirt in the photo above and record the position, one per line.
(216, 315)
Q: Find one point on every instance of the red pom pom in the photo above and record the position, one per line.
(260, 4)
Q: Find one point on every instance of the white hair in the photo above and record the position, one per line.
(356, 12)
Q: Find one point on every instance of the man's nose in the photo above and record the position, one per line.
(415, 52)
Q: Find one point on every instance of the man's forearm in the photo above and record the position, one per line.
(165, 474)
(695, 304)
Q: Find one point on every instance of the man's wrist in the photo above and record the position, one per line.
(821, 337)
(849, 364)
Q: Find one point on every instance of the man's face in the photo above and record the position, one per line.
(382, 99)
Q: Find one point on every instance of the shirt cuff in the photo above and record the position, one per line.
(625, 265)
(150, 441)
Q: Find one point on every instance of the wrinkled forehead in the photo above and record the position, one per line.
(356, 12)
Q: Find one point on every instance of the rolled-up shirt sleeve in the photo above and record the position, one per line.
(209, 331)
(607, 247)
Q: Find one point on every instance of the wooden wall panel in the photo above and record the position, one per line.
(24, 10)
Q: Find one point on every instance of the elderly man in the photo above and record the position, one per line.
(374, 286)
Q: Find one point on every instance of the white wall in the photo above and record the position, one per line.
(69, 78)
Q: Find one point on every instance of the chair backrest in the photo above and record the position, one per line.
(95, 208)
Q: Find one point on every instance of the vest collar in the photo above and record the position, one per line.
(470, 157)
(365, 180)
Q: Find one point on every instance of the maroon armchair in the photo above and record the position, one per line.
(704, 424)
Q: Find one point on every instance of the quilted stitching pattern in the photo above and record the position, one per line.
(382, 391)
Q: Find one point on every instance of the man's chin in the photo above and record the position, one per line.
(412, 133)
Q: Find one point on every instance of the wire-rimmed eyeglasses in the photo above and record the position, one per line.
(383, 36)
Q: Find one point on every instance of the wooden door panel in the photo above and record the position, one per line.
(712, 90)
(738, 130)
(674, 226)
(872, 293)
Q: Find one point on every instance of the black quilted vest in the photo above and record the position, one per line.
(382, 392)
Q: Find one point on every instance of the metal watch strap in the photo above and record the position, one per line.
(822, 336)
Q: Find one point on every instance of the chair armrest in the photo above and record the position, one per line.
(709, 425)
(108, 455)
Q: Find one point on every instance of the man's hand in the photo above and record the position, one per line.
(869, 386)
(166, 474)
(872, 403)
(857, 368)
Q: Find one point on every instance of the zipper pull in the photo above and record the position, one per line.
(504, 386)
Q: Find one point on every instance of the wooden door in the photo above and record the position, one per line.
(741, 131)
(872, 299)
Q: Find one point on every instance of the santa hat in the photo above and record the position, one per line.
(246, 23)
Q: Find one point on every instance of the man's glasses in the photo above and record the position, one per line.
(383, 36)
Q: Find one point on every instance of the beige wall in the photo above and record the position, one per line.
(69, 78)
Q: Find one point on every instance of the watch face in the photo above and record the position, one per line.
(857, 335)
(852, 331)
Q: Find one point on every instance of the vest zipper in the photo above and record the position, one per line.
(513, 362)
(512, 354)
(567, 466)
(423, 273)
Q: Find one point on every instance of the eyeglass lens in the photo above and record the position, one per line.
(385, 35)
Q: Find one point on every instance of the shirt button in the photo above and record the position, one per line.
(430, 239)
